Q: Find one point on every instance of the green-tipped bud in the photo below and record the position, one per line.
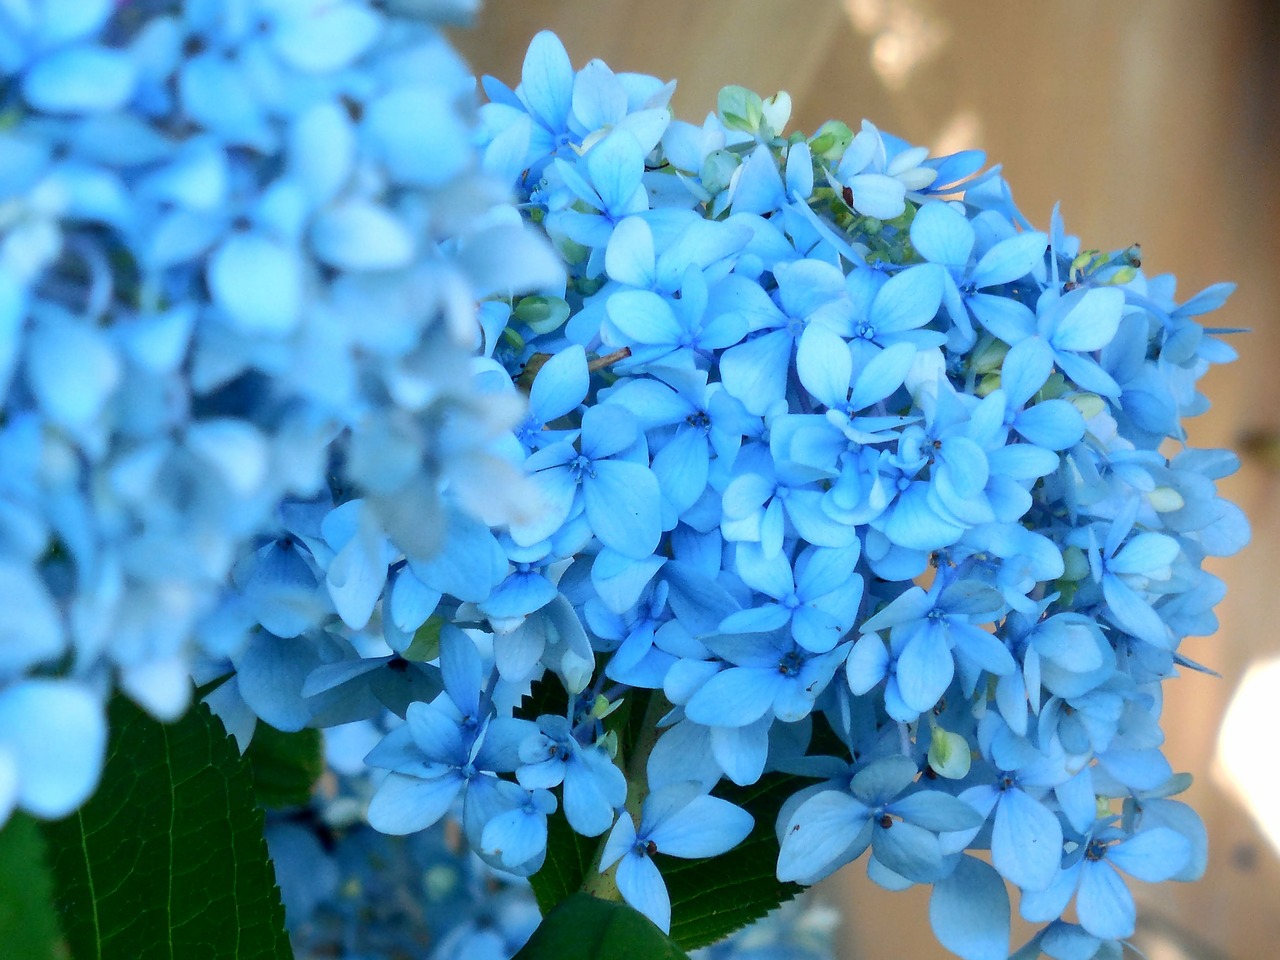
(717, 170)
(513, 339)
(1165, 500)
(741, 109)
(1123, 275)
(610, 744)
(831, 141)
(1053, 388)
(989, 356)
(601, 707)
(777, 112)
(426, 641)
(1075, 565)
(1089, 404)
(542, 314)
(949, 755)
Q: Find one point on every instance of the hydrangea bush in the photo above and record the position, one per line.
(679, 512)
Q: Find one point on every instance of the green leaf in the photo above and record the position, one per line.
(585, 928)
(167, 860)
(28, 921)
(285, 765)
(712, 898)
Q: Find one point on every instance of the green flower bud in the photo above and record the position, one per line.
(949, 754)
(741, 109)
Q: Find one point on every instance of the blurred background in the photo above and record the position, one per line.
(1150, 120)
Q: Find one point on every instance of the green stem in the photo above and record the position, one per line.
(604, 885)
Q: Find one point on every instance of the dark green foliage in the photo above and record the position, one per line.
(584, 928)
(28, 922)
(285, 765)
(167, 860)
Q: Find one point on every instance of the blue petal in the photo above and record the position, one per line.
(80, 79)
(881, 375)
(643, 317)
(258, 283)
(629, 257)
(1026, 841)
(594, 788)
(756, 371)
(1053, 424)
(1008, 319)
(616, 165)
(599, 99)
(706, 827)
(941, 234)
(909, 851)
(1153, 855)
(515, 837)
(547, 81)
(72, 370)
(1145, 554)
(817, 833)
(55, 731)
(1104, 904)
(824, 365)
(403, 804)
(969, 912)
(877, 195)
(462, 668)
(936, 811)
(925, 669)
(429, 152)
(763, 619)
(914, 524)
(641, 885)
(759, 187)
(621, 839)
(1025, 369)
(867, 665)
(1133, 615)
(359, 235)
(561, 384)
(1084, 320)
(622, 506)
(1010, 259)
(908, 299)
(326, 39)
(734, 697)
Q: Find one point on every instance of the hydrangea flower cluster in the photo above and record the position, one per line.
(237, 294)
(865, 479)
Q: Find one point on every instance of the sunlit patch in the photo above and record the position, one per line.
(1240, 764)
(903, 36)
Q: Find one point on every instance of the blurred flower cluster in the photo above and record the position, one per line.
(236, 289)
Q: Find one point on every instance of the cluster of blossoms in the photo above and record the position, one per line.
(351, 892)
(810, 452)
(237, 292)
(847, 472)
